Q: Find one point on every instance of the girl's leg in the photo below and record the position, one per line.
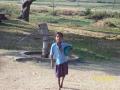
(59, 82)
(62, 81)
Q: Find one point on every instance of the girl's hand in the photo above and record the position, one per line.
(52, 63)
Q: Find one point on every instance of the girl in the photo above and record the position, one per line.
(57, 52)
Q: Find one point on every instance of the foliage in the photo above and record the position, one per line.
(98, 15)
(88, 12)
(9, 9)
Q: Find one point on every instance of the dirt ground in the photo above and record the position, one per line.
(31, 75)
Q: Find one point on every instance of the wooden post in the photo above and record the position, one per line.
(43, 28)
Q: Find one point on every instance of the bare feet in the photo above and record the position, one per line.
(59, 88)
(61, 85)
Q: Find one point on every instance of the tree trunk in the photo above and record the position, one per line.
(25, 10)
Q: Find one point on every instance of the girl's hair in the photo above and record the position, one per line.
(59, 33)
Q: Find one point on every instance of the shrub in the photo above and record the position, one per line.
(103, 14)
(64, 12)
(81, 13)
(9, 9)
(88, 11)
(69, 12)
(54, 13)
(41, 10)
(85, 13)
(110, 24)
(98, 15)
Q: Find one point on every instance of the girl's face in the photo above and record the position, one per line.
(58, 38)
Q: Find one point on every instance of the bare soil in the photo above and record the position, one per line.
(31, 75)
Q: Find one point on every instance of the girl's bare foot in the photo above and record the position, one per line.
(59, 88)
(61, 85)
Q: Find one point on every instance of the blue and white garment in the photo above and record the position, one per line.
(58, 54)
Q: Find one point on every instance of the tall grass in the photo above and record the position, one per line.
(98, 15)
(60, 20)
(9, 9)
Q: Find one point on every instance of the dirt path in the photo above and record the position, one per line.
(39, 76)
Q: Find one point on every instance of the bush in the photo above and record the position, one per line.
(54, 13)
(41, 10)
(85, 13)
(81, 13)
(110, 24)
(103, 14)
(69, 12)
(64, 12)
(115, 15)
(9, 9)
(98, 15)
(88, 12)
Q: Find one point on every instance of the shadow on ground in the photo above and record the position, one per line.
(15, 23)
(12, 36)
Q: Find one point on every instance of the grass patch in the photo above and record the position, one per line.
(107, 30)
(9, 9)
(109, 25)
(73, 21)
(93, 49)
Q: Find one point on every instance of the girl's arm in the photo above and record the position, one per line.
(52, 62)
(51, 56)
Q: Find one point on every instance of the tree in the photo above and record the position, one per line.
(25, 10)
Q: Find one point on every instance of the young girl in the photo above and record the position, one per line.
(57, 53)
